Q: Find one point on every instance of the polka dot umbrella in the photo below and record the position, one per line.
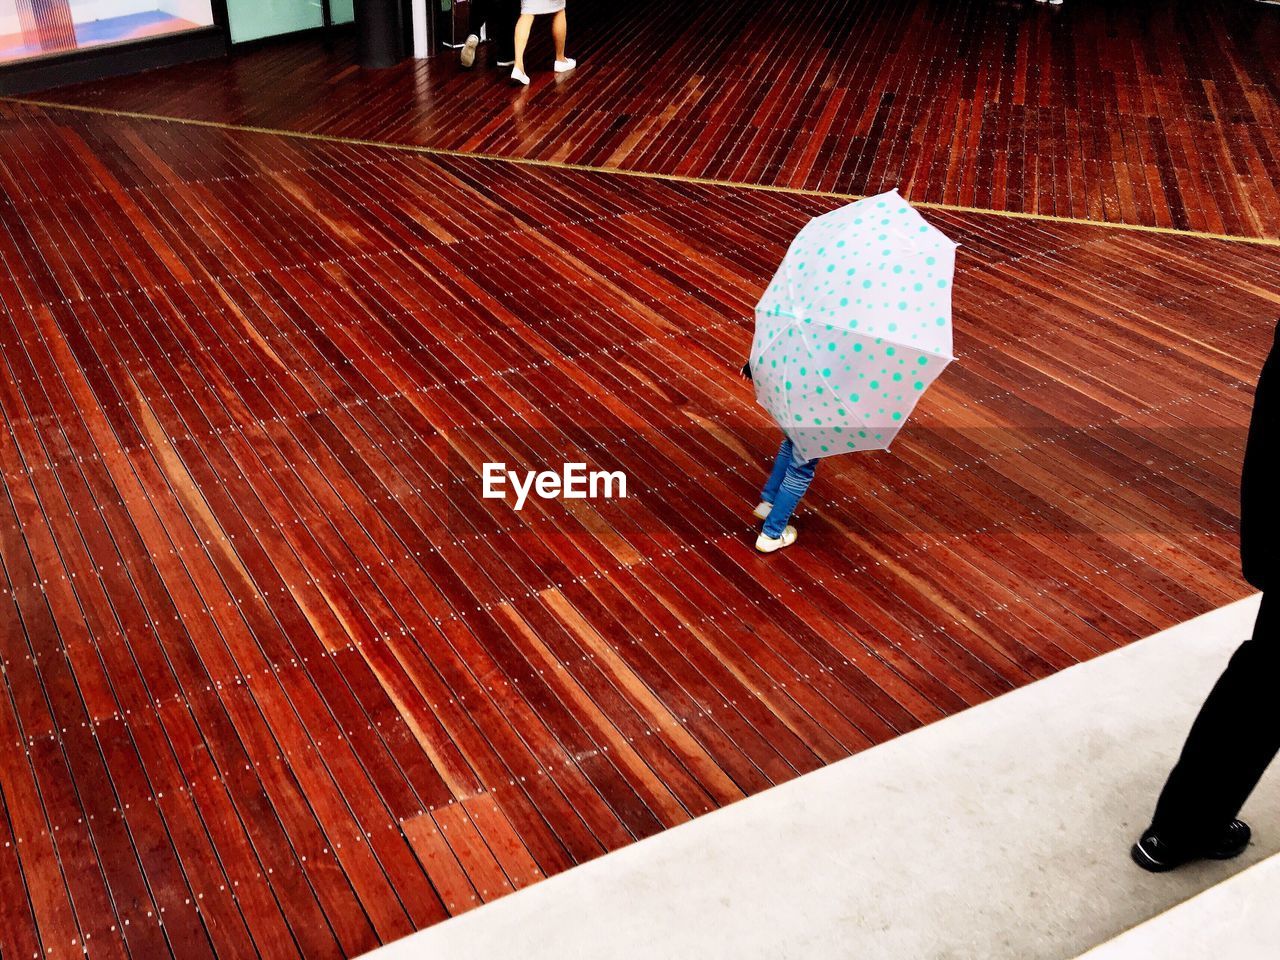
(854, 327)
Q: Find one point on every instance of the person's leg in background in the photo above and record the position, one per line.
(560, 33)
(502, 30)
(524, 25)
(481, 13)
(1233, 740)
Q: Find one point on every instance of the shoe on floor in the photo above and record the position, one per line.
(763, 509)
(519, 76)
(565, 65)
(1155, 854)
(468, 56)
(773, 544)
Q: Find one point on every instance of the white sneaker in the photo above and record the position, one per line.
(763, 509)
(565, 65)
(771, 544)
(468, 56)
(519, 76)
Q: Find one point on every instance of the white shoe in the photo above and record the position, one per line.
(565, 65)
(468, 56)
(763, 509)
(771, 544)
(505, 63)
(519, 76)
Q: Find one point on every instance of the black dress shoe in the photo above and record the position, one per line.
(1156, 854)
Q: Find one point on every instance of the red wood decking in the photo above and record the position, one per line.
(1143, 112)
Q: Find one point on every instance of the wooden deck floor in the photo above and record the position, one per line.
(278, 682)
(1142, 112)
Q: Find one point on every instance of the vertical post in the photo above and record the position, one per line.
(424, 27)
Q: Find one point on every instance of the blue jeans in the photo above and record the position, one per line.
(787, 484)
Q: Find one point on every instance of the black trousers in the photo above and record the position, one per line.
(1232, 741)
(500, 16)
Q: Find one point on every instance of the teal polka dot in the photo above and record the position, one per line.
(866, 284)
(896, 415)
(923, 361)
(919, 384)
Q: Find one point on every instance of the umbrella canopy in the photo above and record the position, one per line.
(854, 327)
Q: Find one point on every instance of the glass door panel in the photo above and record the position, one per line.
(342, 11)
(254, 19)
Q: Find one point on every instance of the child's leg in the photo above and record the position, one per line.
(793, 487)
(780, 465)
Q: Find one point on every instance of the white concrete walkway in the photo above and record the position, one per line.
(1237, 920)
(1002, 832)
